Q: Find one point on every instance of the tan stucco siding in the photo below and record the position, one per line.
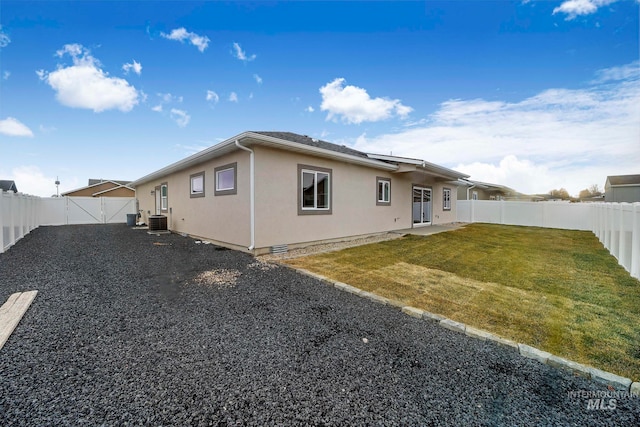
(223, 218)
(354, 210)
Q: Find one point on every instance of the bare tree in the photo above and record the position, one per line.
(560, 194)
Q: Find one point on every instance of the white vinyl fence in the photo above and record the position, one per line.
(617, 225)
(20, 213)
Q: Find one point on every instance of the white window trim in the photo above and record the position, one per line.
(164, 199)
(315, 170)
(385, 182)
(191, 181)
(446, 199)
(223, 191)
(315, 189)
(218, 188)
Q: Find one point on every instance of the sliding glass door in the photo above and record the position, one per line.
(421, 206)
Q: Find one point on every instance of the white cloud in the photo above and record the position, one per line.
(574, 8)
(180, 117)
(31, 180)
(181, 34)
(135, 66)
(241, 55)
(4, 38)
(613, 74)
(258, 79)
(13, 127)
(85, 85)
(309, 109)
(157, 108)
(5, 75)
(45, 129)
(212, 96)
(566, 137)
(354, 105)
(233, 97)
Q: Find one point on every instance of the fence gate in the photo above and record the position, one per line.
(84, 210)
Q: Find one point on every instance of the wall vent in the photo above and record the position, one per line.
(279, 249)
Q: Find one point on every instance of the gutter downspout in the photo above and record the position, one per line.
(252, 193)
(469, 188)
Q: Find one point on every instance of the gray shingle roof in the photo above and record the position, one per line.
(304, 139)
(6, 185)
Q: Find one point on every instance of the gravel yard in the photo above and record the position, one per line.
(131, 328)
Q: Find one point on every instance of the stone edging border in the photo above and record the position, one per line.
(616, 381)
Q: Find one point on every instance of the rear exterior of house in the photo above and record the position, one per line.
(303, 191)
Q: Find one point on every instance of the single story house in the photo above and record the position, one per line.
(7, 185)
(622, 188)
(259, 191)
(103, 188)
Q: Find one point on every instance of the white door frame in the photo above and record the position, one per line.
(423, 191)
(158, 196)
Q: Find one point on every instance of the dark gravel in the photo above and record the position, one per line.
(121, 333)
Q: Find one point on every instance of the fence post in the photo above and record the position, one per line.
(622, 237)
(600, 223)
(473, 211)
(12, 218)
(635, 242)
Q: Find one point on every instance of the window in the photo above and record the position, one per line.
(226, 177)
(314, 190)
(383, 192)
(197, 184)
(164, 201)
(446, 199)
(474, 195)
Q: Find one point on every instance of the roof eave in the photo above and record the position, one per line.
(251, 138)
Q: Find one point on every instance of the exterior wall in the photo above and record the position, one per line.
(221, 218)
(354, 210)
(622, 194)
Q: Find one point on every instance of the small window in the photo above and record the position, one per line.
(226, 177)
(164, 200)
(197, 184)
(446, 199)
(314, 190)
(383, 191)
(474, 195)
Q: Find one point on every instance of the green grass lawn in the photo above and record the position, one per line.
(558, 290)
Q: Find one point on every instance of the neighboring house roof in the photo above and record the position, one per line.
(615, 180)
(302, 143)
(99, 190)
(488, 186)
(6, 185)
(99, 181)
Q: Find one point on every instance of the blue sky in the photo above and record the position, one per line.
(534, 95)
